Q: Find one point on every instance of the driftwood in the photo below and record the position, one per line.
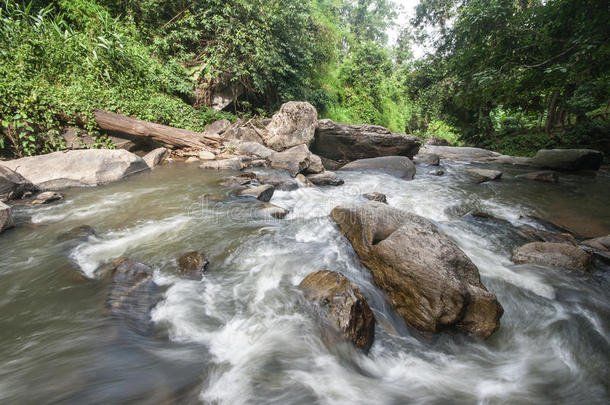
(176, 137)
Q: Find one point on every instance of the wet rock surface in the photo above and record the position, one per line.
(192, 265)
(6, 217)
(13, 186)
(397, 166)
(568, 159)
(552, 254)
(326, 178)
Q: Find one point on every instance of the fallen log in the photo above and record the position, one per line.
(176, 137)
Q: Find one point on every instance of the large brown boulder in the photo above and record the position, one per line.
(397, 166)
(13, 185)
(6, 217)
(77, 168)
(343, 304)
(568, 159)
(430, 282)
(297, 159)
(552, 254)
(351, 142)
(293, 125)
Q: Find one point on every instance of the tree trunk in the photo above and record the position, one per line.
(175, 137)
(550, 117)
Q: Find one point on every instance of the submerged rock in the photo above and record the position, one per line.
(133, 294)
(13, 186)
(274, 211)
(437, 172)
(552, 254)
(351, 142)
(6, 217)
(546, 236)
(483, 175)
(430, 282)
(46, 197)
(375, 196)
(78, 233)
(325, 178)
(77, 168)
(263, 193)
(155, 157)
(192, 265)
(397, 166)
(546, 176)
(297, 159)
(343, 304)
(294, 124)
(568, 159)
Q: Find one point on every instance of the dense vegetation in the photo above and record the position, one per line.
(512, 75)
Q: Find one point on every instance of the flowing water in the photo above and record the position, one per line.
(245, 335)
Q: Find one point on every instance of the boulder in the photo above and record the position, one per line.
(218, 127)
(351, 142)
(304, 181)
(281, 182)
(483, 175)
(568, 159)
(546, 176)
(297, 159)
(325, 178)
(375, 196)
(293, 125)
(226, 164)
(437, 172)
(343, 304)
(245, 134)
(6, 217)
(600, 246)
(206, 155)
(330, 164)
(133, 294)
(397, 166)
(274, 211)
(436, 141)
(427, 159)
(459, 152)
(77, 168)
(192, 265)
(13, 185)
(552, 254)
(46, 197)
(430, 282)
(156, 156)
(263, 193)
(254, 149)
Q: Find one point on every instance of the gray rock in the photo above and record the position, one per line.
(226, 164)
(430, 282)
(602, 243)
(274, 211)
(46, 197)
(436, 141)
(263, 193)
(77, 168)
(206, 155)
(13, 185)
(293, 125)
(568, 159)
(254, 149)
(375, 196)
(243, 179)
(6, 217)
(297, 159)
(218, 127)
(330, 164)
(552, 254)
(325, 178)
(458, 152)
(351, 142)
(397, 166)
(542, 235)
(155, 157)
(192, 159)
(281, 182)
(344, 306)
(483, 175)
(427, 159)
(544, 176)
(244, 134)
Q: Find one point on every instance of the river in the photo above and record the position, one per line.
(245, 335)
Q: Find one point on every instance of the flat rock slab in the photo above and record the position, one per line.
(6, 217)
(458, 152)
(397, 166)
(568, 159)
(483, 175)
(351, 142)
(343, 304)
(77, 168)
(552, 254)
(545, 176)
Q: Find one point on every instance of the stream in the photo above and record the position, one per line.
(245, 335)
